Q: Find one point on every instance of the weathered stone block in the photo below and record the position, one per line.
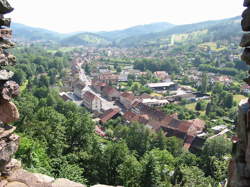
(246, 56)
(6, 43)
(245, 41)
(16, 184)
(5, 75)
(3, 60)
(43, 178)
(5, 7)
(8, 112)
(9, 90)
(66, 182)
(246, 3)
(3, 183)
(5, 22)
(11, 166)
(7, 149)
(245, 23)
(27, 178)
(5, 33)
(7, 131)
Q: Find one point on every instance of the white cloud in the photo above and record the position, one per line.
(93, 15)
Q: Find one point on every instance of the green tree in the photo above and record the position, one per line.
(130, 172)
(33, 156)
(19, 76)
(192, 176)
(114, 155)
(137, 137)
(72, 172)
(198, 106)
(158, 166)
(229, 101)
(204, 83)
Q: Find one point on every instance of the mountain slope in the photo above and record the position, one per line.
(26, 33)
(142, 35)
(216, 29)
(85, 39)
(137, 30)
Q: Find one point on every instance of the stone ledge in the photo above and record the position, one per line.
(23, 178)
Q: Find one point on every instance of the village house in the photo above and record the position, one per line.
(92, 102)
(98, 85)
(109, 78)
(112, 113)
(110, 93)
(155, 102)
(78, 89)
(64, 96)
(226, 80)
(127, 99)
(163, 76)
(123, 77)
(162, 86)
(170, 124)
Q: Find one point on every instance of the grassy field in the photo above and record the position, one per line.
(212, 45)
(62, 49)
(238, 98)
(190, 106)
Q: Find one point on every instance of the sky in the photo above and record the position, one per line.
(104, 15)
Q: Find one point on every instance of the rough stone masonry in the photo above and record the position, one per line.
(8, 90)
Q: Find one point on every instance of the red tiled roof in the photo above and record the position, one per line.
(128, 96)
(151, 112)
(145, 96)
(107, 115)
(108, 90)
(198, 124)
(188, 142)
(108, 76)
(98, 83)
(89, 96)
(132, 117)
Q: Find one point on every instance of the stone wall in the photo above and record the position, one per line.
(8, 90)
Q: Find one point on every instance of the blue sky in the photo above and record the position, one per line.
(99, 15)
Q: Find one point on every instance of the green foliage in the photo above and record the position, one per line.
(170, 65)
(137, 137)
(157, 168)
(192, 176)
(72, 172)
(130, 172)
(33, 155)
(183, 113)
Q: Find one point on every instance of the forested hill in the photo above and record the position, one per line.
(27, 33)
(137, 31)
(210, 31)
(145, 35)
